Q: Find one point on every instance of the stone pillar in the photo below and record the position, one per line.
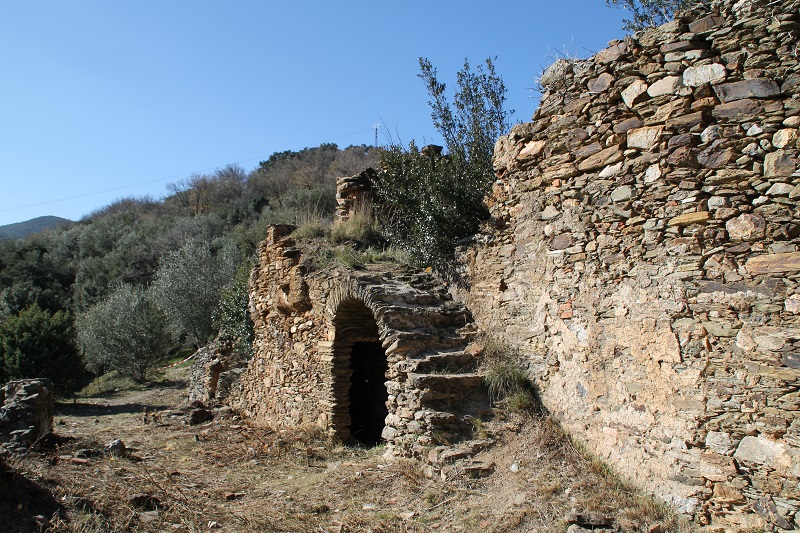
(352, 191)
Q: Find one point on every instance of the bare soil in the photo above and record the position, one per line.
(225, 475)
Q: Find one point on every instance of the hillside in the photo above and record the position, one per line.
(20, 230)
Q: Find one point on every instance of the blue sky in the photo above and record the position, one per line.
(107, 99)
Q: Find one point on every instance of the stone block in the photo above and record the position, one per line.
(26, 415)
(785, 138)
(668, 85)
(605, 157)
(634, 93)
(531, 150)
(774, 263)
(780, 163)
(644, 138)
(746, 227)
(601, 83)
(739, 90)
(687, 219)
(758, 450)
(706, 24)
(738, 110)
(612, 53)
(700, 75)
(627, 124)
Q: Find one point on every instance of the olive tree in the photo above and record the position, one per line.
(188, 284)
(428, 200)
(126, 332)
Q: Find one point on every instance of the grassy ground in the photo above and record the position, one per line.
(225, 475)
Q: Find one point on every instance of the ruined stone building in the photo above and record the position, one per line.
(642, 255)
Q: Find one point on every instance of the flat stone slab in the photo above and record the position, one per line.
(697, 76)
(687, 219)
(774, 263)
(739, 90)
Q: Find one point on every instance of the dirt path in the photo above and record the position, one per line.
(224, 475)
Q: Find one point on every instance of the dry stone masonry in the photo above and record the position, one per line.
(376, 354)
(644, 255)
(26, 413)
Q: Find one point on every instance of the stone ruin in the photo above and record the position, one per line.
(215, 371)
(642, 255)
(380, 354)
(26, 413)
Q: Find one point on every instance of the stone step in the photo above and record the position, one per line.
(431, 317)
(419, 341)
(441, 362)
(445, 382)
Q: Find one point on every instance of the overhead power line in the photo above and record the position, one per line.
(148, 182)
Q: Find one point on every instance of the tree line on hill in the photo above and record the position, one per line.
(141, 278)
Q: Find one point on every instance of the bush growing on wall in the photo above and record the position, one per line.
(648, 13)
(430, 201)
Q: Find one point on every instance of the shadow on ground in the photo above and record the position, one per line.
(22, 501)
(93, 409)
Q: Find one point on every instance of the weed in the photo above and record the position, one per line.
(479, 429)
(360, 228)
(433, 497)
(311, 230)
(505, 379)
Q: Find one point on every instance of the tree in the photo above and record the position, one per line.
(471, 125)
(232, 317)
(428, 201)
(188, 284)
(127, 332)
(39, 344)
(647, 13)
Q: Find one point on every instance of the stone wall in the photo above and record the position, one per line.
(26, 413)
(643, 253)
(374, 353)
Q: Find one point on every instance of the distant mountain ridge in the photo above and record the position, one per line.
(19, 230)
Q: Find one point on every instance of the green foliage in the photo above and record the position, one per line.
(37, 270)
(39, 344)
(647, 13)
(428, 201)
(127, 332)
(232, 316)
(188, 284)
(471, 125)
(134, 241)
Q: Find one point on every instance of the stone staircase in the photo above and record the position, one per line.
(436, 387)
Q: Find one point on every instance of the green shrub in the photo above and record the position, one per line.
(428, 202)
(127, 332)
(232, 317)
(39, 344)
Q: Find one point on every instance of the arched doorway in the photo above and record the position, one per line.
(359, 375)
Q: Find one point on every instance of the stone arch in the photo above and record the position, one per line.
(359, 364)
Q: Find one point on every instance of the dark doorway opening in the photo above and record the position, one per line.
(368, 394)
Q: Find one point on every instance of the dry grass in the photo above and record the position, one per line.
(229, 475)
(359, 229)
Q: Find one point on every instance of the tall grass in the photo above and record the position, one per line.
(360, 228)
(506, 380)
